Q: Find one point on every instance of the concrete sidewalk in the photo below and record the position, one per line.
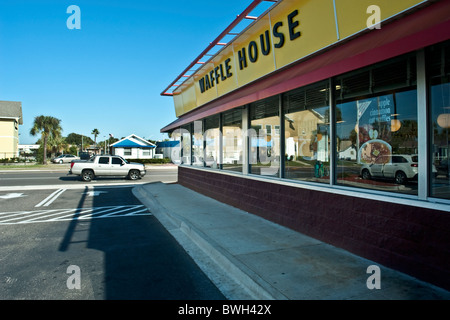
(248, 257)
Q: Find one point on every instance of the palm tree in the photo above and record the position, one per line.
(48, 127)
(95, 132)
(56, 144)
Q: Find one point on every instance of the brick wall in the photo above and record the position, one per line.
(413, 240)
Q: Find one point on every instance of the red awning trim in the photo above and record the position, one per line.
(204, 53)
(423, 28)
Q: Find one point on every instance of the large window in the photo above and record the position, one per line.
(376, 127)
(264, 137)
(180, 153)
(232, 140)
(307, 133)
(186, 145)
(439, 72)
(197, 144)
(212, 142)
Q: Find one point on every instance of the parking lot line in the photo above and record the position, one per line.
(47, 201)
(53, 215)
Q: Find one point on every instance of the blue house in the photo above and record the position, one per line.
(133, 147)
(166, 148)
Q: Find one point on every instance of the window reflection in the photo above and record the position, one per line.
(264, 137)
(232, 140)
(212, 142)
(377, 142)
(186, 146)
(440, 119)
(376, 133)
(197, 144)
(181, 153)
(307, 139)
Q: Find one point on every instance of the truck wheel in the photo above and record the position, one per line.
(400, 177)
(87, 175)
(134, 174)
(366, 174)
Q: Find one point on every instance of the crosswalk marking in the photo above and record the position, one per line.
(47, 201)
(52, 215)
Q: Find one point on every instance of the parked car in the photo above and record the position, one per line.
(65, 158)
(401, 168)
(106, 165)
(85, 155)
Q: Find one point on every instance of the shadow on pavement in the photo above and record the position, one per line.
(141, 260)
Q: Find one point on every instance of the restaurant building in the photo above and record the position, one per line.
(332, 118)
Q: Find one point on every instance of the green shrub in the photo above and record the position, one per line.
(11, 160)
(151, 161)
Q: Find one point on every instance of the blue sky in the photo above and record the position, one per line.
(109, 74)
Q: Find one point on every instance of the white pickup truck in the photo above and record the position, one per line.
(106, 165)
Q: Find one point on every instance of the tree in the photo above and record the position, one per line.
(47, 126)
(56, 144)
(76, 139)
(95, 132)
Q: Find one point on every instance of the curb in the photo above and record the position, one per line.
(252, 283)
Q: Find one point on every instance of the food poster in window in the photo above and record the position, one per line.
(374, 129)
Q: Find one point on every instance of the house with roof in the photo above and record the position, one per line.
(133, 147)
(10, 119)
(166, 148)
(347, 151)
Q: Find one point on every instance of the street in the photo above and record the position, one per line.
(58, 175)
(63, 239)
